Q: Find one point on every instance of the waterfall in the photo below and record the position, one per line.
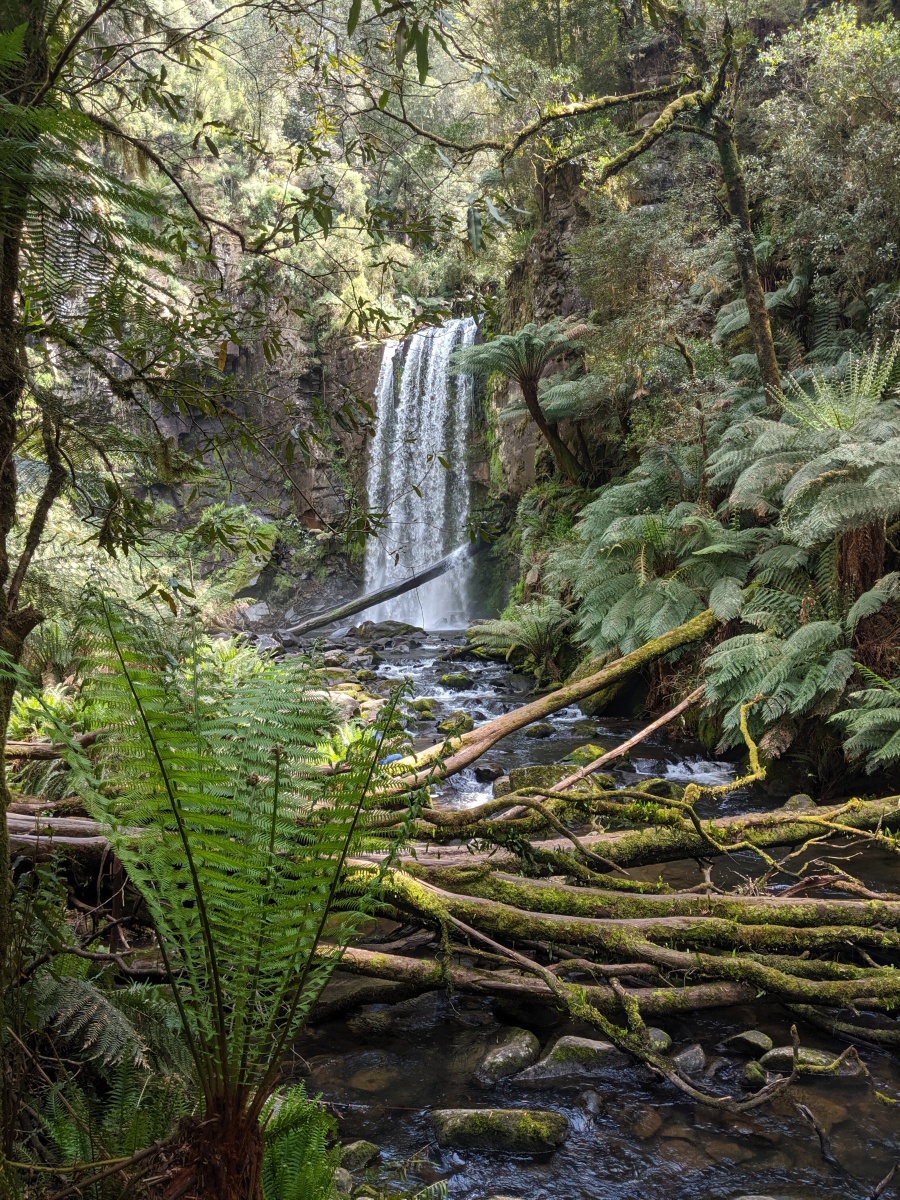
(422, 423)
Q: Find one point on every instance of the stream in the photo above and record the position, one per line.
(631, 1136)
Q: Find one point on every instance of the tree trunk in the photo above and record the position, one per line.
(754, 294)
(458, 556)
(566, 461)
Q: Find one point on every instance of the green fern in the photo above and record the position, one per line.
(297, 1163)
(533, 636)
(211, 796)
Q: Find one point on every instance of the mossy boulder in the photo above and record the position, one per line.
(538, 776)
(358, 1155)
(799, 802)
(365, 676)
(587, 753)
(584, 727)
(519, 1130)
(751, 1041)
(456, 723)
(574, 1058)
(456, 681)
(517, 1049)
(423, 704)
(502, 787)
(813, 1062)
(540, 729)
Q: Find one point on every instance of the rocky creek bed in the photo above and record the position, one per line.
(416, 1073)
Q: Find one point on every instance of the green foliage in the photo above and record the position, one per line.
(533, 636)
(872, 722)
(34, 717)
(524, 355)
(297, 1164)
(639, 576)
(209, 789)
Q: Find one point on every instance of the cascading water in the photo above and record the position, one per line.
(422, 424)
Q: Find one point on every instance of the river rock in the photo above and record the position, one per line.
(487, 772)
(334, 658)
(812, 1062)
(357, 1155)
(585, 754)
(365, 676)
(647, 1121)
(371, 1024)
(753, 1041)
(799, 802)
(422, 704)
(343, 1181)
(573, 1058)
(754, 1077)
(538, 776)
(660, 1042)
(518, 1049)
(584, 728)
(502, 787)
(347, 707)
(691, 1060)
(456, 723)
(456, 681)
(540, 729)
(526, 1130)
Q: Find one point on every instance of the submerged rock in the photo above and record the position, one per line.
(527, 1130)
(754, 1041)
(540, 729)
(573, 1058)
(691, 1060)
(456, 722)
(518, 1048)
(812, 1062)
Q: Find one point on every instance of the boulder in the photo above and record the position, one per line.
(646, 1122)
(365, 676)
(257, 612)
(537, 776)
(343, 1181)
(487, 772)
(691, 1060)
(540, 729)
(518, 1048)
(334, 658)
(812, 1062)
(422, 704)
(573, 1058)
(358, 1155)
(587, 753)
(660, 1042)
(456, 723)
(799, 802)
(456, 681)
(754, 1077)
(584, 728)
(522, 1130)
(502, 787)
(347, 707)
(753, 1041)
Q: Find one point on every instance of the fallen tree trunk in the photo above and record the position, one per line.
(428, 973)
(449, 757)
(455, 559)
(45, 750)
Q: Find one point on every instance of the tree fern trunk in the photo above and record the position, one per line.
(566, 461)
(754, 294)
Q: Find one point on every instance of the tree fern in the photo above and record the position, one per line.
(530, 635)
(237, 843)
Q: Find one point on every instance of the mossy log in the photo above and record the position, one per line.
(540, 896)
(660, 844)
(430, 973)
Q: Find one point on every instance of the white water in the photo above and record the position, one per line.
(423, 415)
